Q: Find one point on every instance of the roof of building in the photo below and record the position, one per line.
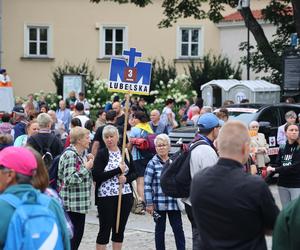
(236, 16)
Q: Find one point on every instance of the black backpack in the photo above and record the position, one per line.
(175, 177)
(45, 150)
(53, 170)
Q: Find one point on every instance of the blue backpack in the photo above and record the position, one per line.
(33, 225)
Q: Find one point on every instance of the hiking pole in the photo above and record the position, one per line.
(123, 160)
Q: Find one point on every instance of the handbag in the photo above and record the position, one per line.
(138, 206)
(267, 158)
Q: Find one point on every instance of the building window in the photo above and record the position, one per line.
(114, 41)
(189, 45)
(37, 41)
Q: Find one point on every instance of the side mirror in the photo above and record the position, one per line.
(264, 127)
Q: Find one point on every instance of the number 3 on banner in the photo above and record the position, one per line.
(130, 74)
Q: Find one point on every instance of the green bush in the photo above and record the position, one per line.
(212, 67)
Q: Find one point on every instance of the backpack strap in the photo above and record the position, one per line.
(77, 157)
(198, 143)
(11, 199)
(43, 199)
(48, 145)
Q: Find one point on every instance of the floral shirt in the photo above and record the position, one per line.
(110, 187)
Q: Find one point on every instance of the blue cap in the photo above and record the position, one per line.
(209, 121)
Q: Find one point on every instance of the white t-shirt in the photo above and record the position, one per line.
(83, 119)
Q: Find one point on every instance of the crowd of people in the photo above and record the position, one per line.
(230, 205)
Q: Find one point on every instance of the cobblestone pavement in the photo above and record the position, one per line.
(139, 233)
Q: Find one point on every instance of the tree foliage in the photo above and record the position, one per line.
(212, 67)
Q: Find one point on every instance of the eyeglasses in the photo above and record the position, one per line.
(161, 145)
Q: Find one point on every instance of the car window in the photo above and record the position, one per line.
(243, 117)
(271, 115)
(285, 109)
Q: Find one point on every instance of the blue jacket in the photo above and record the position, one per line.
(19, 129)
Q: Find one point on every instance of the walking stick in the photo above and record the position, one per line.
(123, 160)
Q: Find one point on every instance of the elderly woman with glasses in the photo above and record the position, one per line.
(109, 173)
(258, 145)
(157, 202)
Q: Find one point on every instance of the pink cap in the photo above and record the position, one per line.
(20, 159)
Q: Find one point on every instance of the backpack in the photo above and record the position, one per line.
(45, 151)
(144, 143)
(33, 225)
(175, 177)
(53, 170)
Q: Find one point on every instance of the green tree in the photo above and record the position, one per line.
(276, 12)
(212, 67)
(161, 72)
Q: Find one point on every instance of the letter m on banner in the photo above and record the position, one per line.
(130, 77)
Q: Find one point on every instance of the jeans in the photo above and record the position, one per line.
(176, 224)
(288, 194)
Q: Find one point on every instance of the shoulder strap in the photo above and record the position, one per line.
(11, 199)
(77, 157)
(43, 199)
(51, 141)
(38, 143)
(127, 155)
(197, 143)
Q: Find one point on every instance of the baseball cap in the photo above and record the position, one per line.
(19, 159)
(209, 121)
(19, 110)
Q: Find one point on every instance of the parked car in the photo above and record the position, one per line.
(269, 116)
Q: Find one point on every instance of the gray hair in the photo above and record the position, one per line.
(110, 130)
(162, 137)
(253, 123)
(207, 109)
(44, 120)
(290, 114)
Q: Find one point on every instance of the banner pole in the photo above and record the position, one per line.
(123, 160)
